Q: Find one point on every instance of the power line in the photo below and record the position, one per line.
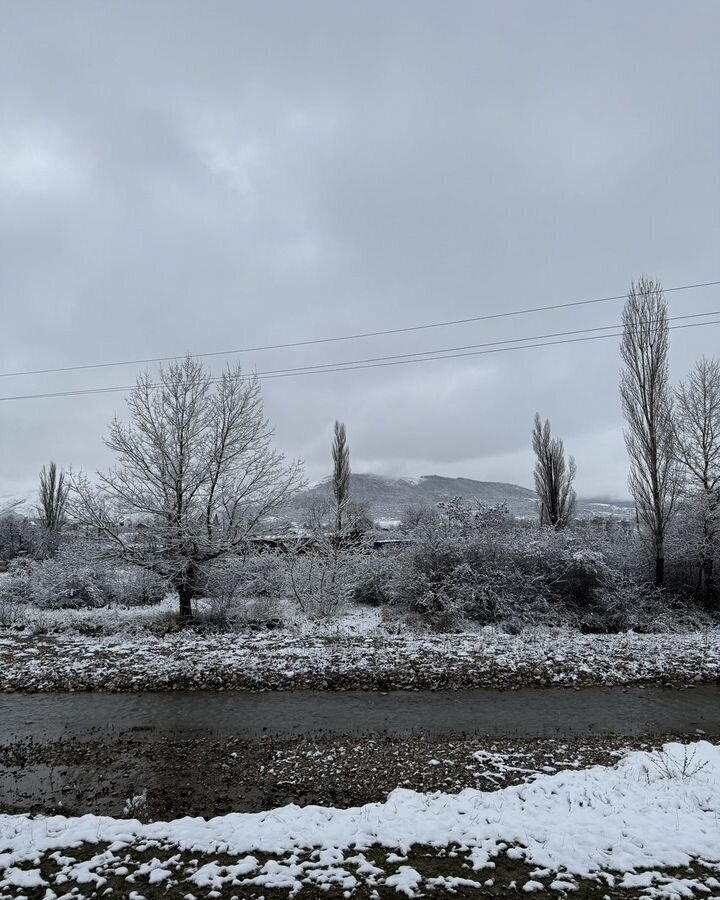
(452, 350)
(356, 365)
(399, 362)
(346, 337)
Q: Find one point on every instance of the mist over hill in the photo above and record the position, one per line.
(19, 506)
(388, 497)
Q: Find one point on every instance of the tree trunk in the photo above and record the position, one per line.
(659, 571)
(185, 585)
(185, 594)
(707, 587)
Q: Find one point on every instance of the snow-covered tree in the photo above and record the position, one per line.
(553, 477)
(341, 474)
(697, 445)
(196, 469)
(53, 494)
(647, 405)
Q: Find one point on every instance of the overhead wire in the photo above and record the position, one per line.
(400, 359)
(347, 337)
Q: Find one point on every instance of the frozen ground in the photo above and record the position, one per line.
(648, 826)
(343, 658)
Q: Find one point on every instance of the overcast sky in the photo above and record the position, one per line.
(209, 176)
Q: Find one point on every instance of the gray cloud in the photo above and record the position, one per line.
(183, 176)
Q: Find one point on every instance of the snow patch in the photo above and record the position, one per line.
(628, 821)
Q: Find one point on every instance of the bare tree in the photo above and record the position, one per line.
(647, 406)
(553, 477)
(195, 466)
(417, 514)
(341, 474)
(697, 444)
(53, 496)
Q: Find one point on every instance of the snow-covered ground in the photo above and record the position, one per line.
(650, 824)
(362, 659)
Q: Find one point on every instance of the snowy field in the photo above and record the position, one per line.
(366, 658)
(648, 826)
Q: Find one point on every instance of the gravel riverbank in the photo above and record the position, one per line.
(250, 661)
(204, 777)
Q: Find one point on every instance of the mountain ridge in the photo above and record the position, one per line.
(389, 496)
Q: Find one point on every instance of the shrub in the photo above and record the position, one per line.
(324, 575)
(243, 590)
(12, 612)
(59, 586)
(235, 578)
(624, 604)
(132, 586)
(372, 584)
(17, 584)
(489, 570)
(263, 575)
(74, 580)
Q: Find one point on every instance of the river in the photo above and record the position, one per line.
(524, 713)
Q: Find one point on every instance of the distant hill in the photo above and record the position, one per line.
(18, 505)
(388, 498)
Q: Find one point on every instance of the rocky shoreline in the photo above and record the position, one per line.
(247, 661)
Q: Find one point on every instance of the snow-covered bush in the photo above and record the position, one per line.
(12, 611)
(263, 576)
(132, 586)
(236, 578)
(481, 566)
(627, 605)
(243, 590)
(373, 578)
(64, 584)
(622, 546)
(323, 574)
(74, 580)
(16, 585)
(463, 570)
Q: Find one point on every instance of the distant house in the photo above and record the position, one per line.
(391, 544)
(268, 545)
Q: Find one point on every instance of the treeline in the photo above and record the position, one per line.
(445, 568)
(672, 436)
(197, 479)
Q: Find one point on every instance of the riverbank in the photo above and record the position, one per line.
(647, 824)
(209, 753)
(210, 776)
(284, 660)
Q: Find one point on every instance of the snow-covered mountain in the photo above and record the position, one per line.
(388, 497)
(21, 505)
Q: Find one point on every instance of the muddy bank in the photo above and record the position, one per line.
(203, 777)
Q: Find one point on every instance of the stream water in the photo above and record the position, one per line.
(524, 713)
